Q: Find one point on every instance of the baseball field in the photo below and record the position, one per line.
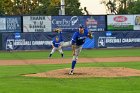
(16, 66)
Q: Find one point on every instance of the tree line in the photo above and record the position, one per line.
(122, 6)
(73, 7)
(38, 7)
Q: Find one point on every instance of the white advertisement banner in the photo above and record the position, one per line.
(36, 23)
(2, 23)
(120, 22)
(137, 22)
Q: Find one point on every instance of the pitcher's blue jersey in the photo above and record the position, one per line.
(79, 39)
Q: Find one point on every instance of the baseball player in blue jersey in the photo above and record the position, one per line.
(77, 41)
(56, 45)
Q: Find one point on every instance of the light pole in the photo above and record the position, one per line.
(62, 11)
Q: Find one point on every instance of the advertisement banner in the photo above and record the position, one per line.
(37, 24)
(71, 23)
(36, 41)
(27, 41)
(66, 23)
(94, 23)
(10, 24)
(117, 39)
(137, 22)
(120, 22)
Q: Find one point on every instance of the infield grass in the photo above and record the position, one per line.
(68, 54)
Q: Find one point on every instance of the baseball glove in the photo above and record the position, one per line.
(90, 35)
(57, 30)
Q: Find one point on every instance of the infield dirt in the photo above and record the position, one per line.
(80, 72)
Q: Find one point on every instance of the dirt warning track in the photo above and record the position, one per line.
(68, 60)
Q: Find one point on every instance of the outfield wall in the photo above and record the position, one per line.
(36, 41)
(10, 24)
(117, 39)
(36, 32)
(42, 41)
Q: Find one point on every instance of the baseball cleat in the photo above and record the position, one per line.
(49, 57)
(71, 72)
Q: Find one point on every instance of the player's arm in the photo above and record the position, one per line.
(53, 44)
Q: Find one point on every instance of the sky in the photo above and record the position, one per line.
(93, 6)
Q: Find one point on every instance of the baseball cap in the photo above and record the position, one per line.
(81, 26)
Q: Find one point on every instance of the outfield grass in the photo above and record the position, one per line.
(68, 54)
(12, 81)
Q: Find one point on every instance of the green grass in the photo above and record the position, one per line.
(68, 54)
(129, 27)
(11, 80)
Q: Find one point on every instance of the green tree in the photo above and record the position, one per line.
(38, 7)
(1, 8)
(19, 7)
(73, 7)
(52, 7)
(7, 7)
(134, 8)
(122, 6)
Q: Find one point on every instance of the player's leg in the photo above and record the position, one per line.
(61, 52)
(10, 48)
(66, 44)
(75, 58)
(53, 50)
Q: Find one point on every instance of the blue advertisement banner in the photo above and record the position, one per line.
(117, 39)
(35, 41)
(66, 23)
(94, 23)
(10, 24)
(71, 23)
(27, 41)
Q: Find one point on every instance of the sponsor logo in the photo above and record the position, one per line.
(120, 18)
(108, 33)
(91, 22)
(65, 21)
(101, 42)
(17, 35)
(74, 20)
(10, 44)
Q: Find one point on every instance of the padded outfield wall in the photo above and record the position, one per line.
(35, 32)
(36, 41)
(117, 39)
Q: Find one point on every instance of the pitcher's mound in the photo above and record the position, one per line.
(89, 72)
